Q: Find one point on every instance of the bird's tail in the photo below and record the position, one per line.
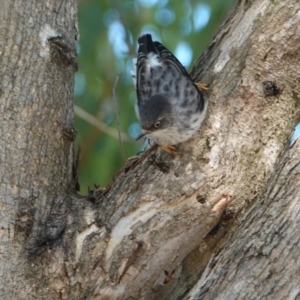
(147, 50)
(146, 45)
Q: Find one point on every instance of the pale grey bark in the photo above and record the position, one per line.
(261, 259)
(164, 225)
(37, 65)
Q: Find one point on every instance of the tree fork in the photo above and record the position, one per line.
(152, 233)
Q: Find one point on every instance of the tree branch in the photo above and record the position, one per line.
(264, 247)
(155, 214)
(100, 125)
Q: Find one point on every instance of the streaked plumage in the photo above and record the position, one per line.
(170, 106)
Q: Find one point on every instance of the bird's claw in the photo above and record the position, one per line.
(170, 149)
(201, 86)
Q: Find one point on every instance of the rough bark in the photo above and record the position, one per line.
(37, 66)
(152, 233)
(261, 259)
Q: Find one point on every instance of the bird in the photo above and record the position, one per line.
(170, 105)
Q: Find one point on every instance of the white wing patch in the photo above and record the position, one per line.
(153, 60)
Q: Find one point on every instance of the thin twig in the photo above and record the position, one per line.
(118, 119)
(100, 125)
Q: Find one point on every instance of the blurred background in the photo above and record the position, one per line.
(109, 30)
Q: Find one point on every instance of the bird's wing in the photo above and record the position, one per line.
(158, 71)
(166, 55)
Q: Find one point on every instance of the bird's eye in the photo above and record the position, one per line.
(157, 124)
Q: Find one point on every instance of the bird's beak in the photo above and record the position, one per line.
(144, 132)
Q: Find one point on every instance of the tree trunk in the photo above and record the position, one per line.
(37, 59)
(216, 222)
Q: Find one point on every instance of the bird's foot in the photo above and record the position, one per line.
(170, 149)
(201, 86)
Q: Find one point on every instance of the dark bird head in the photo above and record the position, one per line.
(155, 114)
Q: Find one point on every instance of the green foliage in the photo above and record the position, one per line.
(108, 42)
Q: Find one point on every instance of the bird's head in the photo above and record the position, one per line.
(155, 115)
